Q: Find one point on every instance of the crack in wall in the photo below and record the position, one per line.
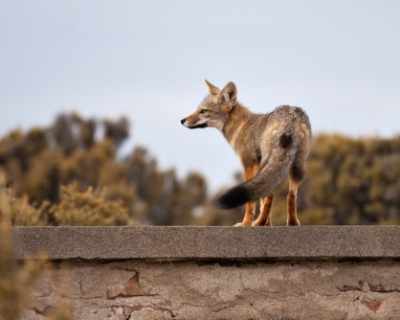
(366, 286)
(179, 291)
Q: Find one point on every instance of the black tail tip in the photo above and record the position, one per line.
(233, 198)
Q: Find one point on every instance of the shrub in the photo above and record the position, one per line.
(89, 208)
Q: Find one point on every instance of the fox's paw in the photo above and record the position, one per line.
(241, 224)
(261, 222)
(258, 224)
(295, 222)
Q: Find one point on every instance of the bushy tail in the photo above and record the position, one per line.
(262, 185)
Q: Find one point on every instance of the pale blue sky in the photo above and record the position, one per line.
(147, 59)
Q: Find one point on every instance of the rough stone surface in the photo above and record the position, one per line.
(188, 243)
(149, 273)
(138, 290)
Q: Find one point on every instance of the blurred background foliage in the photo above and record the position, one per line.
(71, 173)
(18, 278)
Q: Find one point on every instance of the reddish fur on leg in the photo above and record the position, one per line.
(292, 219)
(249, 173)
(265, 209)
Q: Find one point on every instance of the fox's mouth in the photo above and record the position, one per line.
(198, 126)
(195, 126)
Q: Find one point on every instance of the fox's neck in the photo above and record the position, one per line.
(235, 123)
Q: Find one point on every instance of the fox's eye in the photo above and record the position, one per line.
(203, 111)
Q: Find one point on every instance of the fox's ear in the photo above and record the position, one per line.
(213, 90)
(229, 94)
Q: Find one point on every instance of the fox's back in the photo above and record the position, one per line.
(283, 126)
(288, 117)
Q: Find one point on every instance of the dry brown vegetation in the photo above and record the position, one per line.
(70, 173)
(18, 278)
(15, 281)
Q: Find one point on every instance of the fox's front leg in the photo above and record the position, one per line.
(249, 173)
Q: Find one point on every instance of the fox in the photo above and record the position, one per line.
(271, 146)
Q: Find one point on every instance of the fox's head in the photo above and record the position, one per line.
(215, 108)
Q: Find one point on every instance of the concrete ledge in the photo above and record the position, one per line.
(209, 243)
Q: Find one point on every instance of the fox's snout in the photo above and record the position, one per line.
(185, 123)
(193, 122)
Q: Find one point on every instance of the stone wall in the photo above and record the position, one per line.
(277, 273)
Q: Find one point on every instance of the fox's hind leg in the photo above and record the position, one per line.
(296, 175)
(264, 217)
(292, 219)
(249, 207)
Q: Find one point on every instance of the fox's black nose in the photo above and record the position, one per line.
(183, 121)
